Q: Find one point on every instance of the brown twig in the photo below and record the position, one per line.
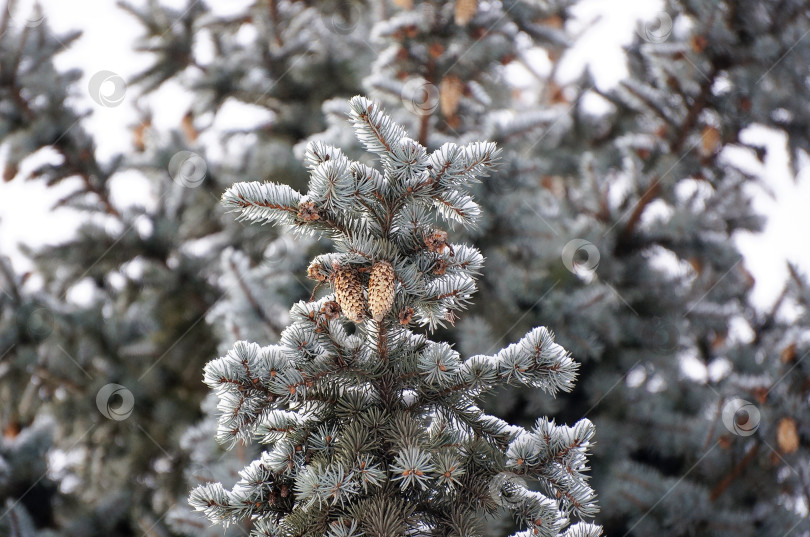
(424, 121)
(724, 483)
(70, 163)
(650, 194)
(694, 111)
(273, 6)
(424, 126)
(252, 300)
(382, 340)
(717, 414)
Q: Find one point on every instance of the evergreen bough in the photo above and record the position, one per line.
(370, 427)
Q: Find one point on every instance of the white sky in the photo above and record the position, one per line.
(107, 45)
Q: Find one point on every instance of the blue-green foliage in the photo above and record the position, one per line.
(376, 430)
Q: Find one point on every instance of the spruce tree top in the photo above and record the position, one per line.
(377, 432)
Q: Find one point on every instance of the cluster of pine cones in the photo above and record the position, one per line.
(349, 292)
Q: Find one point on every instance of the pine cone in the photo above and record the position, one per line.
(315, 272)
(465, 10)
(349, 293)
(787, 435)
(307, 211)
(440, 268)
(450, 90)
(381, 286)
(331, 310)
(406, 316)
(436, 241)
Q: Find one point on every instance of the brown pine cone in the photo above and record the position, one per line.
(436, 241)
(450, 90)
(349, 293)
(787, 435)
(381, 289)
(315, 272)
(440, 268)
(331, 310)
(406, 316)
(307, 211)
(465, 10)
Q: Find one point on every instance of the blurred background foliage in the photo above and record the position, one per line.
(612, 220)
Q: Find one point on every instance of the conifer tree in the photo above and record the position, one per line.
(370, 427)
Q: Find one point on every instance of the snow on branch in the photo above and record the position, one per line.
(375, 130)
(263, 202)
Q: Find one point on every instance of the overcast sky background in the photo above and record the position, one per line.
(107, 42)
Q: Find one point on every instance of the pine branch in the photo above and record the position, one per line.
(374, 129)
(735, 472)
(260, 312)
(263, 202)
